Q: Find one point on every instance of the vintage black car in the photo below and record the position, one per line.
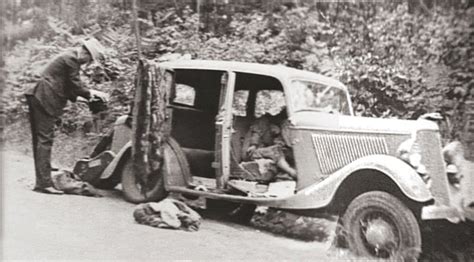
(383, 176)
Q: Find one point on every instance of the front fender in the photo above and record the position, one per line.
(122, 134)
(321, 194)
(109, 171)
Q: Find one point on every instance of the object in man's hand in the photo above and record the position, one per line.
(96, 105)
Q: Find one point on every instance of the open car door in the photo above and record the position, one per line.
(154, 154)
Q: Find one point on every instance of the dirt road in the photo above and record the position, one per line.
(43, 227)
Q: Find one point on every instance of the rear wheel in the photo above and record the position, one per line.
(377, 224)
(174, 165)
(134, 192)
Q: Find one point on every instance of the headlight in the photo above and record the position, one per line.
(409, 151)
(414, 159)
(454, 177)
(451, 169)
(421, 170)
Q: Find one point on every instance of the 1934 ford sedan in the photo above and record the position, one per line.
(383, 176)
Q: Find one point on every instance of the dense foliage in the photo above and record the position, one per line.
(396, 63)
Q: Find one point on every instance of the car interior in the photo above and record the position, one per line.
(195, 107)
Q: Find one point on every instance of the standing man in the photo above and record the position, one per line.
(59, 83)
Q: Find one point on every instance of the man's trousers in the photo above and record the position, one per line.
(42, 131)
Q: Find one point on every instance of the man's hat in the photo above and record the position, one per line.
(94, 47)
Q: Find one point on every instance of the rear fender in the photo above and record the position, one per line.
(122, 134)
(178, 173)
(109, 171)
(120, 145)
(403, 175)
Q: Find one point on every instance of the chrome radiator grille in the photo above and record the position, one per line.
(431, 156)
(337, 150)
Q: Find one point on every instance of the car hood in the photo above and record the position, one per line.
(325, 121)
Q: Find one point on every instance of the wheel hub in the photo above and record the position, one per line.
(379, 234)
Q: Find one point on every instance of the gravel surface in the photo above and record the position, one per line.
(67, 227)
(45, 227)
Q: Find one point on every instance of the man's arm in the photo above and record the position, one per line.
(75, 84)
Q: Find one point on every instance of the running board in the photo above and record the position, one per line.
(273, 201)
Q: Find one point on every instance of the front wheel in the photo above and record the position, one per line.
(377, 224)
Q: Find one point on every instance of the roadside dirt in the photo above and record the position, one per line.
(43, 227)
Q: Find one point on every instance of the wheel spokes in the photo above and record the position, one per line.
(379, 234)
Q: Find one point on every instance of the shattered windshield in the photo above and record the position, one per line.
(312, 96)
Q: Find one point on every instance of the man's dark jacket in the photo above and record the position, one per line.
(60, 82)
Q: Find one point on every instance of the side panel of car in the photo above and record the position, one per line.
(309, 171)
(321, 194)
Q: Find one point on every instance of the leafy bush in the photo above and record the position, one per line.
(396, 63)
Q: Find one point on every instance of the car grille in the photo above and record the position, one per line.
(334, 151)
(432, 158)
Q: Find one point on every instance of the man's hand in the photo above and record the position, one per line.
(102, 95)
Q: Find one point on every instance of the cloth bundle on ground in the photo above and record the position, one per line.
(70, 184)
(168, 213)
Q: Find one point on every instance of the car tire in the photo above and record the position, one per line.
(156, 188)
(132, 189)
(377, 224)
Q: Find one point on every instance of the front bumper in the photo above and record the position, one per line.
(452, 214)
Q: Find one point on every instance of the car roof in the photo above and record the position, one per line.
(278, 71)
